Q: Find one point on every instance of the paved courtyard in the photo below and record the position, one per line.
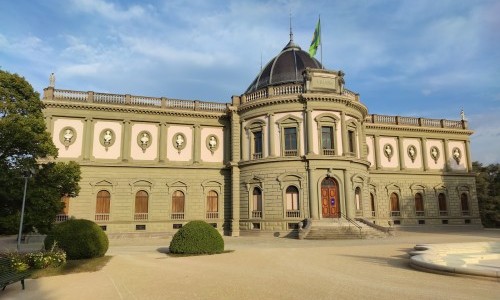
(268, 268)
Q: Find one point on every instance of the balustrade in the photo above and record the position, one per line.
(102, 217)
(61, 218)
(257, 214)
(140, 216)
(212, 215)
(293, 213)
(177, 216)
(145, 101)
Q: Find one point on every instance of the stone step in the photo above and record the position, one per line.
(342, 229)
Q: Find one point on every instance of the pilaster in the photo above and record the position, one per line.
(271, 135)
(345, 142)
(402, 165)
(196, 144)
(309, 141)
(126, 138)
(88, 130)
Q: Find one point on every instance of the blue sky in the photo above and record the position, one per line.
(412, 58)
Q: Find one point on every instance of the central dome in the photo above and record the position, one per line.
(286, 67)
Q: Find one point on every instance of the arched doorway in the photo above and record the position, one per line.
(330, 204)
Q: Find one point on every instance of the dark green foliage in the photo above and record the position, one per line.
(24, 143)
(488, 193)
(79, 238)
(197, 237)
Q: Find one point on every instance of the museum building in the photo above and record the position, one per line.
(296, 145)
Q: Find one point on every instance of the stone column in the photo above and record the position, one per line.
(309, 137)
(126, 140)
(235, 172)
(447, 166)
(376, 151)
(468, 156)
(349, 207)
(49, 122)
(425, 161)
(362, 143)
(244, 142)
(345, 142)
(272, 127)
(88, 134)
(401, 152)
(196, 144)
(313, 194)
(162, 143)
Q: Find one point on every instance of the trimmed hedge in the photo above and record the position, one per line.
(197, 237)
(79, 238)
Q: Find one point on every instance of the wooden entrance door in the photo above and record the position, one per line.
(330, 205)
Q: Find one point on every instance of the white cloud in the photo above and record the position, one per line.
(109, 10)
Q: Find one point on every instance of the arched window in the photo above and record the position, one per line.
(212, 205)
(103, 200)
(395, 212)
(357, 200)
(443, 207)
(419, 205)
(177, 205)
(63, 214)
(292, 202)
(257, 203)
(464, 201)
(141, 206)
(372, 202)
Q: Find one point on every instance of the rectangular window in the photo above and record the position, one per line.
(351, 142)
(327, 140)
(291, 141)
(257, 144)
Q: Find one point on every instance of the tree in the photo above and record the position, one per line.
(488, 193)
(24, 143)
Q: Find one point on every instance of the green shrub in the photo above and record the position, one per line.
(197, 237)
(79, 238)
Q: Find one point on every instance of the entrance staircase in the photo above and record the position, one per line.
(339, 229)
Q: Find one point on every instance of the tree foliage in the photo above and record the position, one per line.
(488, 193)
(24, 143)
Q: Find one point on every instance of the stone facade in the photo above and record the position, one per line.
(279, 153)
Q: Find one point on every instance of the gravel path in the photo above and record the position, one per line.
(268, 268)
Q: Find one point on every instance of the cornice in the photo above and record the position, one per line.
(302, 98)
(417, 129)
(139, 110)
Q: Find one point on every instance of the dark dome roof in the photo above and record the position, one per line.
(286, 67)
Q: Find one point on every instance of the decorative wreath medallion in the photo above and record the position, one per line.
(67, 136)
(388, 151)
(412, 152)
(212, 143)
(107, 138)
(434, 153)
(179, 141)
(457, 155)
(144, 140)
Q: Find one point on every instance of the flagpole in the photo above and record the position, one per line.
(321, 42)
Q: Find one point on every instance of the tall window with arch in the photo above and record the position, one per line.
(102, 206)
(464, 203)
(212, 205)
(178, 200)
(443, 207)
(372, 204)
(395, 211)
(357, 201)
(141, 205)
(419, 205)
(292, 202)
(256, 203)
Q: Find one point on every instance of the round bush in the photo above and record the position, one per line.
(197, 237)
(79, 238)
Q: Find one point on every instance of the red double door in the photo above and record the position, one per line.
(330, 198)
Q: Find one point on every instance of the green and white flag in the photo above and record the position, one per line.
(316, 40)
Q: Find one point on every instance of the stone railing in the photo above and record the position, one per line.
(129, 100)
(420, 122)
(287, 89)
